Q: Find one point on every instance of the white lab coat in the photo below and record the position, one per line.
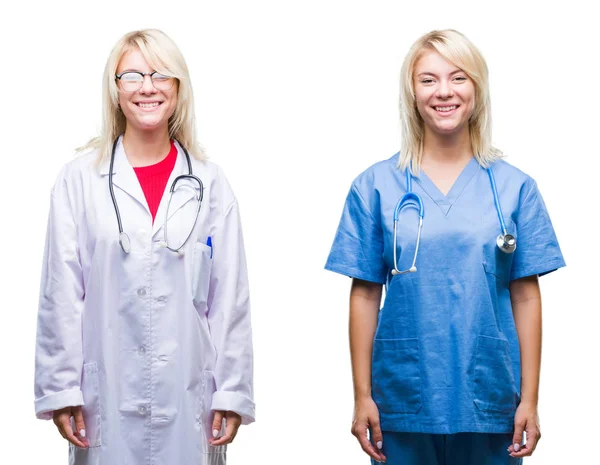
(151, 341)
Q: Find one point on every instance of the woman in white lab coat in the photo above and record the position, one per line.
(144, 351)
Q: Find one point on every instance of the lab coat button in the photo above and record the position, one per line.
(142, 410)
(141, 292)
(142, 350)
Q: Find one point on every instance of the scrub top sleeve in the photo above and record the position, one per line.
(357, 249)
(537, 252)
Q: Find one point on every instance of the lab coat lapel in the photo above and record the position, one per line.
(181, 195)
(124, 176)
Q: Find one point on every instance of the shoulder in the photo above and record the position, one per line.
(215, 183)
(74, 171)
(509, 174)
(376, 174)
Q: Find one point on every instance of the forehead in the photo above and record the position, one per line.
(432, 62)
(133, 60)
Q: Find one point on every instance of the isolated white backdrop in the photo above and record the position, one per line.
(294, 99)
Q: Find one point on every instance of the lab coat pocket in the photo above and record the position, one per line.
(217, 453)
(91, 400)
(494, 387)
(396, 379)
(201, 268)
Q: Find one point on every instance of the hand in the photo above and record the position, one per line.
(62, 420)
(366, 416)
(232, 423)
(526, 419)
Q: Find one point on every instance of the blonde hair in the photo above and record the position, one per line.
(163, 56)
(460, 51)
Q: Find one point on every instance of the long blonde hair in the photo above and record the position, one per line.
(460, 51)
(163, 55)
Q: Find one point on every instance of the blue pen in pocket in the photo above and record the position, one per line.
(209, 243)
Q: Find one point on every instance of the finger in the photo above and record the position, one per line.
(69, 436)
(376, 435)
(79, 425)
(517, 439)
(366, 445)
(230, 429)
(235, 420)
(217, 423)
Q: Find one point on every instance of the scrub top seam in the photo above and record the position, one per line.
(365, 205)
(353, 273)
(540, 270)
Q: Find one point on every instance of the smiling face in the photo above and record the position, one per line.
(445, 95)
(147, 109)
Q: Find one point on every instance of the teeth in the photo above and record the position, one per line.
(148, 105)
(445, 108)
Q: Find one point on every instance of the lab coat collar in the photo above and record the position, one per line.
(182, 194)
(124, 178)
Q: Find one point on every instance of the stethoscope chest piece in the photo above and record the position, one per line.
(506, 243)
(125, 242)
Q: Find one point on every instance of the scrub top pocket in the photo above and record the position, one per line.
(201, 273)
(396, 381)
(494, 384)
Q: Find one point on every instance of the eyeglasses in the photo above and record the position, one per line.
(132, 81)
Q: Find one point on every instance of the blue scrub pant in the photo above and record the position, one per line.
(447, 449)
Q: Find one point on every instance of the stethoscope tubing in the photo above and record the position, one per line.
(123, 237)
(506, 242)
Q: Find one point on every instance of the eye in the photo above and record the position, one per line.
(460, 78)
(426, 81)
(160, 77)
(131, 77)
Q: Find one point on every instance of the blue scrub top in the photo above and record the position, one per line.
(446, 354)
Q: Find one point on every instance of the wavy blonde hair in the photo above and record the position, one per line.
(460, 51)
(163, 56)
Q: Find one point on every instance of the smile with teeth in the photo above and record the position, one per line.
(445, 109)
(148, 105)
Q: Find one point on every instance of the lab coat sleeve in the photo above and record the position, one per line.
(58, 354)
(537, 252)
(229, 319)
(357, 249)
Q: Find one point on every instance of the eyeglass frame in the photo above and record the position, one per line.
(118, 77)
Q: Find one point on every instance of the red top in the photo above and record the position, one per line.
(153, 179)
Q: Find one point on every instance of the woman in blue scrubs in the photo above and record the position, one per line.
(447, 371)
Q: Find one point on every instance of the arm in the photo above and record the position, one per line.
(229, 322)
(527, 310)
(58, 355)
(365, 298)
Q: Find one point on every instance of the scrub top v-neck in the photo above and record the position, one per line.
(446, 354)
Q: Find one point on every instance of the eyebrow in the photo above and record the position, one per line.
(427, 73)
(132, 71)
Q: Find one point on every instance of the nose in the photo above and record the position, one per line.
(444, 89)
(147, 86)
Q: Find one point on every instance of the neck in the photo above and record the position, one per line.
(448, 149)
(146, 147)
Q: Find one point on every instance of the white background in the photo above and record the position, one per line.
(294, 99)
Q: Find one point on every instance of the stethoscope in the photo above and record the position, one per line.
(507, 243)
(123, 237)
